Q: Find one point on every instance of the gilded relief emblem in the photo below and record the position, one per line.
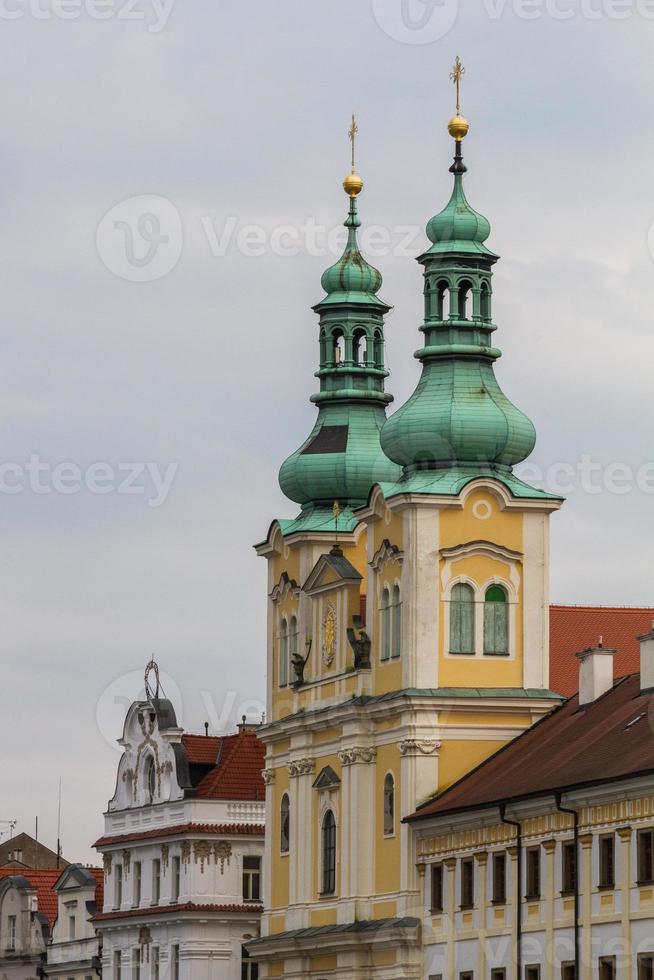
(329, 635)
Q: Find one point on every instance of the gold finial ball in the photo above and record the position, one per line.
(458, 127)
(353, 185)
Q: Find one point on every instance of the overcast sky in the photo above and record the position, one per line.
(186, 341)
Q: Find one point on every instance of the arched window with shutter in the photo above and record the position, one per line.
(462, 619)
(389, 805)
(285, 826)
(496, 621)
(385, 623)
(328, 854)
(283, 653)
(396, 625)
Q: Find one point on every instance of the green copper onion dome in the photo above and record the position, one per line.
(342, 457)
(458, 414)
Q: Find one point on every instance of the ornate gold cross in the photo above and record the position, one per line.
(458, 71)
(352, 132)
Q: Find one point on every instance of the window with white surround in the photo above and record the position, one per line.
(496, 622)
(174, 962)
(71, 909)
(285, 830)
(118, 964)
(389, 805)
(150, 776)
(396, 622)
(462, 619)
(176, 867)
(251, 879)
(11, 937)
(156, 881)
(385, 623)
(156, 962)
(118, 885)
(328, 854)
(136, 964)
(283, 653)
(136, 884)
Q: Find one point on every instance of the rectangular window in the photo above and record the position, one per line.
(498, 974)
(645, 857)
(436, 888)
(156, 881)
(568, 971)
(118, 886)
(11, 939)
(136, 884)
(468, 975)
(136, 964)
(174, 962)
(467, 884)
(251, 879)
(533, 873)
(569, 869)
(532, 972)
(607, 861)
(499, 878)
(646, 966)
(155, 963)
(71, 925)
(607, 968)
(249, 970)
(176, 871)
(118, 964)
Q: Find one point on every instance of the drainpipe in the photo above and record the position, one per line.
(518, 899)
(575, 831)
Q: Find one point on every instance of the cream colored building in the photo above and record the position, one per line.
(74, 950)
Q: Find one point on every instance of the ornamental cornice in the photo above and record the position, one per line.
(361, 753)
(301, 767)
(385, 553)
(268, 776)
(419, 746)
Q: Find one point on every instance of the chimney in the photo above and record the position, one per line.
(647, 660)
(595, 672)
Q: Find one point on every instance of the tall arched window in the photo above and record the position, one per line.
(359, 347)
(496, 621)
(462, 619)
(396, 624)
(339, 346)
(283, 653)
(150, 779)
(389, 805)
(464, 296)
(378, 357)
(443, 300)
(285, 828)
(385, 621)
(328, 854)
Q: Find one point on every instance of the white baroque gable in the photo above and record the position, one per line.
(151, 738)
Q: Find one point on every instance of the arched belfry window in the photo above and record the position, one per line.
(465, 289)
(359, 348)
(396, 623)
(283, 653)
(150, 779)
(462, 619)
(378, 350)
(328, 854)
(443, 300)
(285, 825)
(338, 341)
(389, 805)
(496, 621)
(385, 622)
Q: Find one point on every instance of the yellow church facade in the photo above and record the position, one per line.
(407, 627)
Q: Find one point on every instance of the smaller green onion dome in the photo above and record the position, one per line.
(351, 278)
(458, 221)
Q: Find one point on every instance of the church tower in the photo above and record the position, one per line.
(407, 624)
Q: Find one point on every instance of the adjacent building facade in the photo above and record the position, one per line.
(73, 952)
(182, 851)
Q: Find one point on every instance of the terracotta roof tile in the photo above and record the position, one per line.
(226, 829)
(253, 909)
(201, 749)
(606, 740)
(576, 628)
(237, 776)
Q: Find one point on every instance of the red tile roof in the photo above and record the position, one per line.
(607, 740)
(576, 628)
(237, 776)
(201, 749)
(43, 879)
(253, 909)
(226, 829)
